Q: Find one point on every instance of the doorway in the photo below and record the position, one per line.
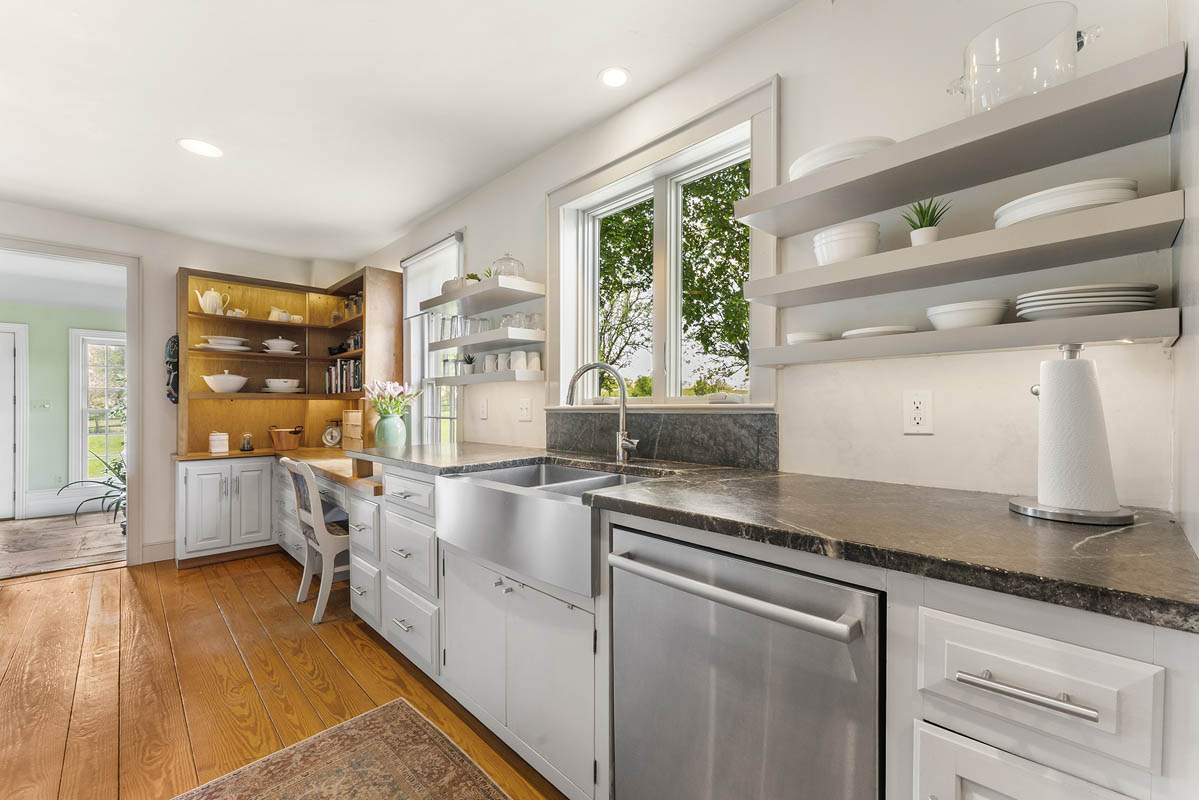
(63, 453)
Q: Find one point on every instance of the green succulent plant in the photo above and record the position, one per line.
(926, 213)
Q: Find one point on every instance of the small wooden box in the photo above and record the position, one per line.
(351, 425)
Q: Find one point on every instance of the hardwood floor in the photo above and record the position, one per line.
(49, 544)
(143, 682)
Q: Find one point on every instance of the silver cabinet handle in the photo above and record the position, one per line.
(845, 629)
(357, 527)
(399, 551)
(237, 484)
(357, 590)
(1061, 703)
(499, 582)
(402, 626)
(401, 494)
(507, 590)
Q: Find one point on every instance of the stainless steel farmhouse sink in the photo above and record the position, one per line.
(530, 519)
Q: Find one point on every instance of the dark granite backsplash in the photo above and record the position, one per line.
(745, 439)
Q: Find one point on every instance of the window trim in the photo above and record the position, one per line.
(755, 108)
(77, 393)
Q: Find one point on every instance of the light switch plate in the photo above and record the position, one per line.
(525, 410)
(918, 412)
(483, 408)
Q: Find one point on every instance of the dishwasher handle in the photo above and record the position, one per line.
(845, 629)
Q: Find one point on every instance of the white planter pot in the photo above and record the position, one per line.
(924, 236)
(468, 369)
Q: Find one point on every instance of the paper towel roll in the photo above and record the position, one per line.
(1074, 465)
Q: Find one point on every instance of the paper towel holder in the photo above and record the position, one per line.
(1029, 506)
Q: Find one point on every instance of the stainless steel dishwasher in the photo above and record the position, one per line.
(734, 680)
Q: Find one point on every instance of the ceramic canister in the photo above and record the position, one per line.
(218, 443)
(501, 362)
(489, 363)
(520, 359)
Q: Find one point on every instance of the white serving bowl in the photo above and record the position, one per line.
(971, 314)
(226, 341)
(845, 248)
(286, 345)
(282, 383)
(847, 229)
(225, 382)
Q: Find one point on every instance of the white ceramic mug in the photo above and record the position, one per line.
(501, 362)
(489, 363)
(534, 361)
(520, 360)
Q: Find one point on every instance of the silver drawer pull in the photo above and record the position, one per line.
(402, 626)
(401, 494)
(357, 527)
(1061, 703)
(498, 583)
(400, 552)
(358, 591)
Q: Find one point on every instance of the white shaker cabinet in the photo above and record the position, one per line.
(474, 600)
(250, 502)
(207, 508)
(222, 505)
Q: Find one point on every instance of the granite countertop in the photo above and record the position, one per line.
(1145, 572)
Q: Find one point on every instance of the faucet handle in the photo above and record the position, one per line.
(628, 444)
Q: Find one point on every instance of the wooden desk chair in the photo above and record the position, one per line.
(325, 536)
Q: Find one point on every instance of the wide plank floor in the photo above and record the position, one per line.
(49, 544)
(143, 682)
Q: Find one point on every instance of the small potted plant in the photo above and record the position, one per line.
(112, 495)
(472, 278)
(391, 400)
(468, 365)
(924, 218)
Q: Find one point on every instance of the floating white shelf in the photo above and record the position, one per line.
(1158, 324)
(491, 377)
(1117, 106)
(486, 295)
(497, 339)
(1136, 226)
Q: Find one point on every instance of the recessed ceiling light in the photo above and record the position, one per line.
(201, 148)
(614, 76)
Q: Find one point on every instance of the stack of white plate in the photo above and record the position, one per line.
(829, 154)
(1064, 199)
(292, 390)
(845, 242)
(226, 343)
(878, 330)
(795, 337)
(1085, 301)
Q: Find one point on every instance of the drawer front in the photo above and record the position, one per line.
(1109, 704)
(952, 767)
(410, 552)
(410, 623)
(331, 493)
(408, 493)
(292, 542)
(365, 590)
(364, 527)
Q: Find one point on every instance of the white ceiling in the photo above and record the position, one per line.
(341, 120)
(53, 281)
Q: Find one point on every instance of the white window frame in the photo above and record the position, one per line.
(744, 126)
(80, 338)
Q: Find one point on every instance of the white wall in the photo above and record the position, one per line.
(161, 255)
(853, 68)
(1184, 25)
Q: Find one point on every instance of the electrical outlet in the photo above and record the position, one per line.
(483, 408)
(525, 410)
(918, 412)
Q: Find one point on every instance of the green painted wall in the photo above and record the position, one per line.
(49, 380)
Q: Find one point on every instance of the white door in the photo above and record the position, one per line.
(8, 423)
(952, 767)
(251, 506)
(473, 599)
(551, 681)
(208, 511)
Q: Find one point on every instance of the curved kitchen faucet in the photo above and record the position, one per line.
(624, 445)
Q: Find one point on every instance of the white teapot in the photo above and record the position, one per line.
(212, 301)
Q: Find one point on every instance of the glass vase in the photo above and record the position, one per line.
(390, 431)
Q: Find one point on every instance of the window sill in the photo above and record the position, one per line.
(675, 408)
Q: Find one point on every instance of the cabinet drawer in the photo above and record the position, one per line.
(364, 527)
(952, 767)
(410, 623)
(331, 493)
(408, 493)
(292, 542)
(365, 590)
(410, 552)
(1106, 703)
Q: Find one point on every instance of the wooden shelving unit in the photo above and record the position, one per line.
(324, 326)
(486, 295)
(1153, 325)
(1117, 106)
(1137, 226)
(497, 339)
(491, 377)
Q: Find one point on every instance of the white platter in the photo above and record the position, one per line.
(1064, 205)
(222, 348)
(226, 340)
(295, 352)
(1073, 301)
(878, 330)
(296, 390)
(1078, 310)
(795, 337)
(835, 153)
(1120, 288)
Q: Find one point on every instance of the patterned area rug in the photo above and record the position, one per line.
(390, 753)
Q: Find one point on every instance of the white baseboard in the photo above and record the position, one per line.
(158, 551)
(49, 503)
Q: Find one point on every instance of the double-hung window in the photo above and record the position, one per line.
(97, 401)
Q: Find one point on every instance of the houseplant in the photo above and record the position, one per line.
(391, 401)
(924, 217)
(113, 497)
(468, 365)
